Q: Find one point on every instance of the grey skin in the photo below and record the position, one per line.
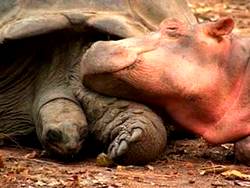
(41, 45)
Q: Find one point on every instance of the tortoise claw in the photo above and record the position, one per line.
(136, 135)
(122, 142)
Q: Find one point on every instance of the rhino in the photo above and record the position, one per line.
(42, 43)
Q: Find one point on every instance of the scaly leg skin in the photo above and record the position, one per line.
(242, 150)
(63, 127)
(60, 121)
(131, 132)
(137, 136)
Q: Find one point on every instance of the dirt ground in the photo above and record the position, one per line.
(186, 163)
(183, 165)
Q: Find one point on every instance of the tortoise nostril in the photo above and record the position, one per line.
(54, 135)
(72, 150)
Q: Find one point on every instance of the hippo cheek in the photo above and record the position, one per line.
(140, 79)
(160, 74)
(108, 84)
(147, 79)
(144, 80)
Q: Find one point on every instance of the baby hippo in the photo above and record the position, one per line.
(199, 74)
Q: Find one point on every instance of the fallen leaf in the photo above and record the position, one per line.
(32, 155)
(54, 183)
(218, 184)
(242, 183)
(191, 181)
(120, 168)
(40, 183)
(149, 167)
(214, 169)
(227, 146)
(103, 160)
(76, 182)
(1, 162)
(235, 174)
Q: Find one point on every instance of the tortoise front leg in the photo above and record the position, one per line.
(136, 134)
(131, 132)
(61, 127)
(61, 124)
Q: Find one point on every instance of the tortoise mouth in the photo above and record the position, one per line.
(62, 151)
(61, 145)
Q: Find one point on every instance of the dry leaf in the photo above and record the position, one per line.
(32, 155)
(40, 183)
(214, 169)
(242, 183)
(150, 167)
(235, 174)
(120, 168)
(1, 162)
(103, 160)
(76, 181)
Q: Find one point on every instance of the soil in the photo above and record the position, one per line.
(180, 166)
(186, 163)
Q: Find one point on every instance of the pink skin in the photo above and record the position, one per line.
(198, 74)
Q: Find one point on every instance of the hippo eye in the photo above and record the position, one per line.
(173, 32)
(172, 28)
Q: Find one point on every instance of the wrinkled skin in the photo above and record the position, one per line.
(198, 74)
(41, 43)
(41, 90)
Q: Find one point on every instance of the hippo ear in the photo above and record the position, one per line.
(219, 28)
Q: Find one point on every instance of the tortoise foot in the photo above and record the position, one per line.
(63, 127)
(139, 139)
(123, 141)
(242, 151)
(130, 132)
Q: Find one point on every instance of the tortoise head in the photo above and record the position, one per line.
(62, 128)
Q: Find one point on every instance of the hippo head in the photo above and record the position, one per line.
(196, 73)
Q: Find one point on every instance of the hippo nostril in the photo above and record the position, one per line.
(54, 136)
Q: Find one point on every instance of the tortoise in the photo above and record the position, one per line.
(41, 89)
